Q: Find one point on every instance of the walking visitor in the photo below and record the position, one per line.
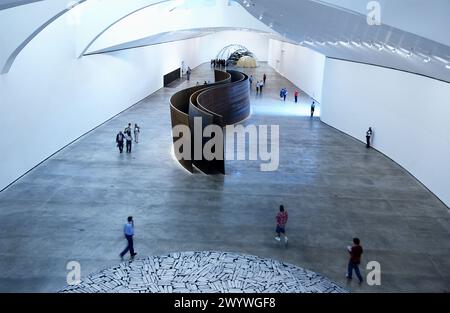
(282, 218)
(313, 107)
(119, 141)
(128, 140)
(355, 252)
(137, 130)
(128, 231)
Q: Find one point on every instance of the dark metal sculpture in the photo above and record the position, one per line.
(225, 102)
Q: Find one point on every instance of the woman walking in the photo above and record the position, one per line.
(137, 130)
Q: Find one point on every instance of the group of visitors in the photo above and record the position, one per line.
(218, 63)
(283, 93)
(355, 250)
(259, 84)
(126, 137)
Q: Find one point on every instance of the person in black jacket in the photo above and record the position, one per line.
(369, 134)
(119, 141)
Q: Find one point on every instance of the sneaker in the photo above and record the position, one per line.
(277, 239)
(133, 255)
(348, 277)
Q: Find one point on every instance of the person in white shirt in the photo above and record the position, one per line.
(137, 130)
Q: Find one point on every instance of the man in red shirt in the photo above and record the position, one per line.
(282, 218)
(355, 252)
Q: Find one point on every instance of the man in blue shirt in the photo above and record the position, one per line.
(128, 230)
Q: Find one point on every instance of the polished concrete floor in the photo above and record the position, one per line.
(73, 206)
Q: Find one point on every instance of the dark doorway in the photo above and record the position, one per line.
(172, 76)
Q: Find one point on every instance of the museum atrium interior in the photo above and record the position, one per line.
(75, 73)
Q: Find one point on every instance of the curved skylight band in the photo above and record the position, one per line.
(153, 40)
(9, 62)
(117, 21)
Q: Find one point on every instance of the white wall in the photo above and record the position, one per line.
(302, 66)
(409, 114)
(51, 97)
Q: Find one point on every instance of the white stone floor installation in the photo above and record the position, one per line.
(205, 272)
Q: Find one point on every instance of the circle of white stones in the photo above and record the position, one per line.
(205, 272)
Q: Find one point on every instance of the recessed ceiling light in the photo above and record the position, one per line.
(427, 60)
(355, 43)
(447, 66)
(344, 43)
(271, 25)
(261, 17)
(333, 43)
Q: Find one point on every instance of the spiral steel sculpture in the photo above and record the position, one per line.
(224, 102)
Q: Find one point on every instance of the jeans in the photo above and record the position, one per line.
(129, 146)
(120, 145)
(352, 266)
(129, 246)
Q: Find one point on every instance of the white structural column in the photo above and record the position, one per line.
(409, 114)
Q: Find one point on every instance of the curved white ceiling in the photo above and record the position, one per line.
(168, 22)
(26, 22)
(428, 19)
(413, 35)
(345, 34)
